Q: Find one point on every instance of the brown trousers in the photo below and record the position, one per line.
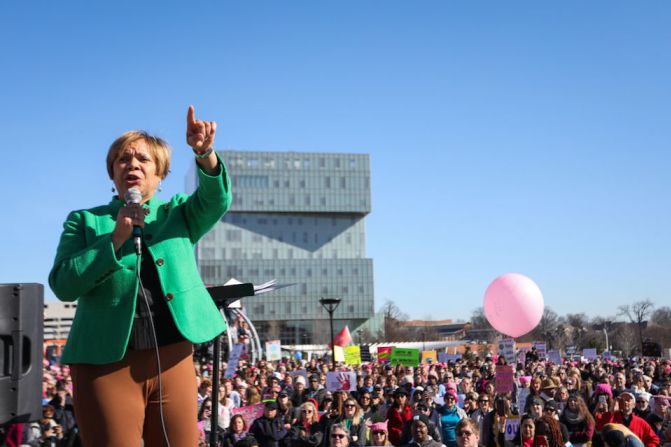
(117, 405)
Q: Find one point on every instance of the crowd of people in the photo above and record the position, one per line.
(598, 403)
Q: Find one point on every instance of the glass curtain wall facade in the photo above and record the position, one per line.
(298, 218)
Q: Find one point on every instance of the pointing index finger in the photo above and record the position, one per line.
(191, 116)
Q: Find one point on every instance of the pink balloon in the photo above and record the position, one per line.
(513, 304)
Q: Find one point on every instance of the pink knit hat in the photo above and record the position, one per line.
(451, 392)
(379, 426)
(603, 388)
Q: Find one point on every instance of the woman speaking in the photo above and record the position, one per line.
(137, 315)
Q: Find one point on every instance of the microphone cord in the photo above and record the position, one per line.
(158, 357)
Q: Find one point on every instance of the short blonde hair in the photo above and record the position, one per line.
(158, 147)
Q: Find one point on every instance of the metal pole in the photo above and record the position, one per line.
(331, 304)
(332, 340)
(214, 418)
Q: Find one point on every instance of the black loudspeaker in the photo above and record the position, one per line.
(21, 344)
(651, 349)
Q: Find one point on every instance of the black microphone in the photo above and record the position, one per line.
(133, 198)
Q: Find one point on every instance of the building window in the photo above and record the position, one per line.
(233, 235)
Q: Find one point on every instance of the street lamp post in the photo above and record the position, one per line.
(331, 304)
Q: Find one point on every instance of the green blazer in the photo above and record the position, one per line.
(105, 283)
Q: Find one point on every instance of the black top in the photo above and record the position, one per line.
(166, 332)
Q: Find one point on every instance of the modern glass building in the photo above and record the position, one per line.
(298, 218)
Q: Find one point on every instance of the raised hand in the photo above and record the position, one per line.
(199, 134)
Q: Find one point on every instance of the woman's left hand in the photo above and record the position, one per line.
(199, 134)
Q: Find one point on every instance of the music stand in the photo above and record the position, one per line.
(222, 296)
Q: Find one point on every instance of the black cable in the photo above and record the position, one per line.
(158, 358)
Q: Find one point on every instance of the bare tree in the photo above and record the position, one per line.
(662, 317)
(393, 316)
(624, 338)
(480, 327)
(637, 313)
(577, 326)
(547, 328)
(479, 320)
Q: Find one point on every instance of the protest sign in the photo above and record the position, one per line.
(429, 357)
(352, 355)
(554, 356)
(507, 350)
(512, 428)
(384, 353)
(522, 355)
(249, 413)
(273, 350)
(339, 354)
(341, 381)
(233, 359)
(589, 354)
(444, 357)
(405, 356)
(504, 378)
(541, 349)
(365, 353)
(522, 394)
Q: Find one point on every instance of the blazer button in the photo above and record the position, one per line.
(160, 262)
(169, 297)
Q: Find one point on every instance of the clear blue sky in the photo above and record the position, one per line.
(525, 136)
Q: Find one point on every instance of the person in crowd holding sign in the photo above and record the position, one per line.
(603, 412)
(503, 411)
